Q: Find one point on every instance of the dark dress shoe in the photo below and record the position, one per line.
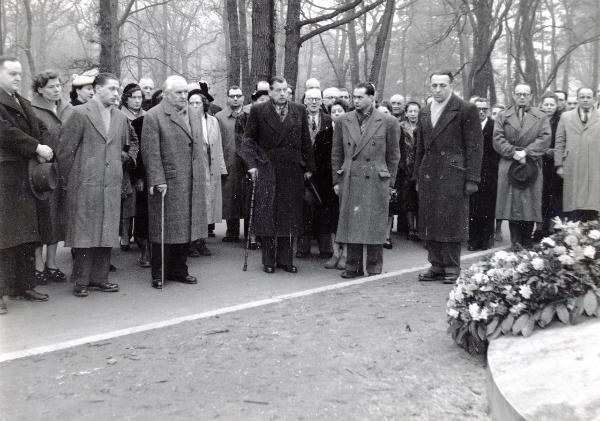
(288, 268)
(112, 268)
(80, 290)
(204, 251)
(125, 247)
(388, 244)
(230, 239)
(103, 286)
(187, 279)
(471, 247)
(157, 283)
(33, 295)
(326, 255)
(211, 234)
(193, 252)
(253, 245)
(430, 276)
(55, 275)
(268, 269)
(41, 278)
(349, 274)
(450, 278)
(3, 308)
(301, 254)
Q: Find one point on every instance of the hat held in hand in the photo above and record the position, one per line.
(524, 175)
(43, 178)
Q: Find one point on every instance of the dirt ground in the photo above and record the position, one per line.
(377, 351)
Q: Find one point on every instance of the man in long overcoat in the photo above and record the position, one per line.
(364, 161)
(577, 157)
(447, 169)
(90, 157)
(172, 150)
(21, 134)
(276, 148)
(521, 133)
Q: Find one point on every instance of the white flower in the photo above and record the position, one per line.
(512, 258)
(589, 252)
(537, 263)
(478, 278)
(560, 250)
(453, 313)
(517, 309)
(500, 255)
(484, 314)
(557, 223)
(525, 291)
(522, 268)
(566, 259)
(548, 242)
(571, 240)
(594, 234)
(474, 311)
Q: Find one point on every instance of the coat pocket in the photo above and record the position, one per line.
(170, 174)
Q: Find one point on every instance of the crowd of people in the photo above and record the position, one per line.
(160, 167)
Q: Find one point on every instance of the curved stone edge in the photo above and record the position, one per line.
(500, 408)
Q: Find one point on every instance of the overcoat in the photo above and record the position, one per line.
(173, 154)
(533, 136)
(20, 135)
(50, 216)
(232, 184)
(578, 151)
(365, 166)
(214, 171)
(552, 193)
(89, 159)
(282, 152)
(483, 202)
(448, 155)
(326, 216)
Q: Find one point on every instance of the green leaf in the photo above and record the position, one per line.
(520, 323)
(577, 310)
(528, 328)
(562, 313)
(491, 327)
(547, 315)
(481, 332)
(453, 326)
(590, 303)
(507, 324)
(496, 333)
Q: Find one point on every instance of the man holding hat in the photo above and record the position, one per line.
(521, 137)
(20, 134)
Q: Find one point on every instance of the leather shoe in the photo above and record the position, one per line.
(157, 283)
(450, 278)
(187, 279)
(33, 295)
(112, 268)
(471, 248)
(230, 239)
(3, 308)
(301, 254)
(268, 269)
(430, 276)
(103, 286)
(388, 244)
(288, 268)
(80, 290)
(349, 274)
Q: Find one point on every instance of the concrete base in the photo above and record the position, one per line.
(554, 375)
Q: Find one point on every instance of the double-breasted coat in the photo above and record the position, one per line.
(326, 215)
(89, 160)
(232, 184)
(20, 135)
(282, 153)
(173, 154)
(214, 170)
(448, 155)
(533, 136)
(578, 151)
(365, 167)
(50, 216)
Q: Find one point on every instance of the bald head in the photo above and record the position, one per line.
(330, 95)
(175, 90)
(397, 102)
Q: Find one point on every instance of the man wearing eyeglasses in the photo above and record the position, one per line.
(448, 170)
(521, 137)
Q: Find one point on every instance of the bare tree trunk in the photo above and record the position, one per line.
(550, 6)
(382, 40)
(463, 48)
(509, 52)
(233, 36)
(2, 25)
(365, 48)
(245, 62)
(292, 42)
(384, 65)
(29, 28)
(110, 56)
(479, 77)
(527, 10)
(165, 41)
(263, 39)
(567, 67)
(353, 50)
(596, 52)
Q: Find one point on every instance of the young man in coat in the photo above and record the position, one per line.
(447, 169)
(173, 152)
(364, 156)
(21, 133)
(90, 156)
(277, 150)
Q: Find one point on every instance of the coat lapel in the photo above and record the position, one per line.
(93, 113)
(178, 119)
(373, 124)
(353, 127)
(448, 114)
(273, 118)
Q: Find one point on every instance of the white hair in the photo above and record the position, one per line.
(313, 92)
(168, 85)
(331, 91)
(312, 83)
(146, 80)
(397, 96)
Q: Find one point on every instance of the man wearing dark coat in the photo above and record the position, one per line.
(447, 169)
(277, 150)
(175, 158)
(20, 135)
(482, 209)
(90, 155)
(364, 161)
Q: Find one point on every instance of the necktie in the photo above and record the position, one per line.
(314, 124)
(17, 103)
(584, 118)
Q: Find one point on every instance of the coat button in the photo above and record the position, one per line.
(107, 164)
(442, 153)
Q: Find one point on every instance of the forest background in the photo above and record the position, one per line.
(488, 44)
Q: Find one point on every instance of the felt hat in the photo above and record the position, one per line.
(43, 178)
(86, 78)
(522, 176)
(204, 90)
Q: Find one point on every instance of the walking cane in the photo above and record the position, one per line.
(162, 239)
(245, 267)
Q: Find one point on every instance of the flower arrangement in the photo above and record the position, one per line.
(513, 292)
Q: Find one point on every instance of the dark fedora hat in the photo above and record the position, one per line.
(523, 175)
(43, 178)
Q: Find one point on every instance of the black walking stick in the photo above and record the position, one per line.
(245, 267)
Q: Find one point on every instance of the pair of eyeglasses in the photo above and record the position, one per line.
(236, 96)
(313, 99)
(522, 94)
(482, 108)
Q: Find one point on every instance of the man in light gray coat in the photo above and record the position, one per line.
(364, 155)
(173, 152)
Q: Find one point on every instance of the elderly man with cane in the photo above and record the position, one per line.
(173, 152)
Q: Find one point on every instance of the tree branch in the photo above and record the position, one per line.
(330, 15)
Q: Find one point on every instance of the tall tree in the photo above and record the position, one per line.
(234, 59)
(382, 38)
(108, 29)
(263, 40)
(245, 64)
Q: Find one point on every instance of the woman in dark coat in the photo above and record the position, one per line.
(552, 193)
(407, 191)
(52, 110)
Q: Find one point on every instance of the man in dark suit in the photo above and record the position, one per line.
(482, 210)
(277, 150)
(448, 170)
(20, 135)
